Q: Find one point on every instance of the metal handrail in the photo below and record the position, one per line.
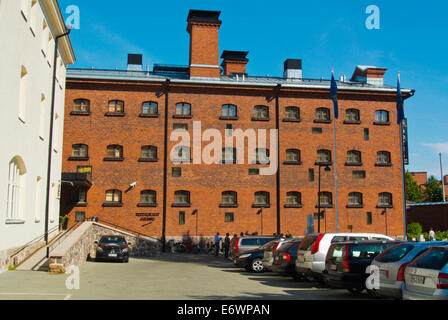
(33, 241)
(126, 229)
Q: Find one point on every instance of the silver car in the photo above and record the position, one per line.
(426, 278)
(392, 263)
(269, 252)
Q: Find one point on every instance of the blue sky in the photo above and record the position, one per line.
(324, 34)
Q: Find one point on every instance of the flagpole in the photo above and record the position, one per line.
(335, 164)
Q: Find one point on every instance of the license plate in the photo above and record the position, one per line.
(334, 267)
(417, 280)
(112, 255)
(384, 273)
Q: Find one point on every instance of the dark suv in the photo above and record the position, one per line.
(346, 263)
(285, 258)
(112, 248)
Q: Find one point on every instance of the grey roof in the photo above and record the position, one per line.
(124, 75)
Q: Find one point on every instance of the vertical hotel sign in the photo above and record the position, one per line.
(404, 132)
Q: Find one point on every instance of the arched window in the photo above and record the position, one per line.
(229, 110)
(181, 154)
(385, 199)
(183, 109)
(293, 198)
(293, 156)
(323, 156)
(383, 158)
(323, 114)
(182, 197)
(113, 196)
(352, 115)
(148, 197)
(81, 105)
(149, 153)
(80, 151)
(150, 108)
(292, 113)
(262, 156)
(355, 199)
(261, 112)
(229, 198)
(354, 157)
(261, 198)
(116, 106)
(16, 176)
(114, 152)
(326, 199)
(382, 116)
(229, 155)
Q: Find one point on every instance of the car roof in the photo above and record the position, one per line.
(366, 242)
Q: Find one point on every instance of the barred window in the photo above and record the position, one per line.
(148, 196)
(261, 197)
(293, 155)
(383, 157)
(182, 197)
(229, 155)
(116, 106)
(323, 114)
(150, 107)
(114, 151)
(355, 199)
(262, 156)
(182, 154)
(293, 197)
(382, 116)
(261, 112)
(354, 157)
(81, 105)
(326, 198)
(229, 197)
(323, 156)
(352, 115)
(149, 152)
(183, 109)
(385, 199)
(229, 110)
(113, 196)
(292, 113)
(80, 151)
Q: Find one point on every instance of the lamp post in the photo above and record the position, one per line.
(196, 213)
(260, 212)
(384, 213)
(327, 168)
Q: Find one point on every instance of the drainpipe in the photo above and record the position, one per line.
(50, 136)
(165, 164)
(277, 126)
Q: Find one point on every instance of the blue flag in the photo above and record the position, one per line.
(334, 96)
(400, 109)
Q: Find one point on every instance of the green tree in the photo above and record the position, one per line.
(414, 229)
(433, 192)
(413, 191)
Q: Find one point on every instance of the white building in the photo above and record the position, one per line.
(28, 29)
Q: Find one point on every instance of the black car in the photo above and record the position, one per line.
(285, 258)
(112, 248)
(346, 263)
(251, 260)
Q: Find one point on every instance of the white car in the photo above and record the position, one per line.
(312, 252)
(426, 278)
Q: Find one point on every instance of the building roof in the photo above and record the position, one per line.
(204, 16)
(235, 55)
(427, 204)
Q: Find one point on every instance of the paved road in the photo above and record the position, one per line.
(168, 277)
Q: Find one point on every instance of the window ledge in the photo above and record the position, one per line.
(292, 163)
(114, 114)
(324, 206)
(113, 159)
(145, 115)
(112, 204)
(355, 206)
(228, 205)
(353, 164)
(352, 122)
(181, 205)
(385, 206)
(147, 160)
(176, 116)
(80, 204)
(15, 221)
(78, 158)
(291, 120)
(260, 119)
(383, 164)
(147, 205)
(80, 113)
(293, 206)
(228, 118)
(181, 161)
(322, 121)
(323, 163)
(257, 205)
(380, 123)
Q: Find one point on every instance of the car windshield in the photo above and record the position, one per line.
(308, 242)
(270, 245)
(435, 259)
(365, 251)
(264, 241)
(113, 240)
(395, 253)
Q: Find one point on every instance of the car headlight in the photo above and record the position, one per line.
(243, 256)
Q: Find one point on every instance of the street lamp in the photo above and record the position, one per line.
(196, 213)
(327, 169)
(260, 212)
(384, 213)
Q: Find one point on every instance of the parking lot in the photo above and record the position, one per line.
(167, 277)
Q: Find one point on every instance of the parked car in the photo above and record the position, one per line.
(346, 263)
(112, 248)
(243, 244)
(252, 260)
(312, 252)
(426, 278)
(392, 263)
(268, 256)
(285, 257)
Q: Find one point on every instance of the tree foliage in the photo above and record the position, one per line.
(433, 192)
(413, 191)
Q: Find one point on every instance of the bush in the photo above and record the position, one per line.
(414, 230)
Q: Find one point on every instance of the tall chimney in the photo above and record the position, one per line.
(292, 69)
(369, 74)
(203, 27)
(135, 62)
(234, 62)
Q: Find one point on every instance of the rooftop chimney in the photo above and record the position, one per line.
(293, 69)
(135, 62)
(234, 62)
(203, 27)
(369, 74)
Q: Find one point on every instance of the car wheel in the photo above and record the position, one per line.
(355, 290)
(296, 276)
(257, 265)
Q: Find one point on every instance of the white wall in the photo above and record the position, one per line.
(22, 138)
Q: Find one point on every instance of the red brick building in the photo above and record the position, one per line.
(118, 126)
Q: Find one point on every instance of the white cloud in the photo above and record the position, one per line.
(439, 146)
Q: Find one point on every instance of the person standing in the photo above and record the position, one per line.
(217, 241)
(226, 245)
(432, 235)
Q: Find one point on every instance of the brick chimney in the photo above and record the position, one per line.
(234, 62)
(369, 74)
(203, 27)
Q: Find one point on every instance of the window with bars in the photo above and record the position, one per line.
(292, 113)
(359, 174)
(114, 152)
(181, 217)
(80, 151)
(323, 156)
(182, 197)
(293, 156)
(261, 198)
(382, 116)
(176, 172)
(81, 105)
(116, 106)
(261, 112)
(183, 109)
(229, 155)
(149, 153)
(113, 196)
(323, 114)
(181, 155)
(352, 115)
(150, 108)
(326, 199)
(355, 199)
(385, 199)
(229, 110)
(383, 158)
(293, 198)
(229, 198)
(262, 156)
(354, 157)
(148, 197)
(229, 217)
